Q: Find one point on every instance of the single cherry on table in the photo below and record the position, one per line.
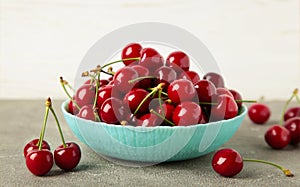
(228, 162)
(259, 113)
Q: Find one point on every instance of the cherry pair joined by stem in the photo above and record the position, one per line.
(39, 159)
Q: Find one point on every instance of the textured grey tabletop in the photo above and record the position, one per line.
(21, 121)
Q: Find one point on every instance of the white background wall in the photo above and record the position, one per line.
(255, 42)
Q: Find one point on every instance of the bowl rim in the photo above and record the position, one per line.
(65, 103)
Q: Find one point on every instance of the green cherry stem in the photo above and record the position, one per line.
(157, 88)
(162, 117)
(141, 78)
(63, 83)
(57, 122)
(160, 102)
(287, 172)
(125, 59)
(39, 144)
(295, 92)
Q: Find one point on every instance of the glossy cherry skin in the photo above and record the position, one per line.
(166, 110)
(237, 96)
(122, 77)
(67, 158)
(259, 113)
(166, 75)
(72, 108)
(86, 112)
(39, 162)
(133, 99)
(220, 91)
(205, 90)
(292, 112)
(85, 95)
(293, 125)
(226, 108)
(178, 60)
(187, 113)
(181, 90)
(142, 72)
(32, 145)
(132, 50)
(227, 162)
(277, 137)
(151, 59)
(149, 120)
(112, 111)
(215, 78)
(190, 75)
(106, 92)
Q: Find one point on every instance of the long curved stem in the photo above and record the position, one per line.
(287, 172)
(286, 105)
(58, 125)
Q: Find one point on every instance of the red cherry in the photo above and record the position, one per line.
(72, 108)
(205, 90)
(67, 158)
(33, 145)
(142, 72)
(151, 59)
(190, 75)
(237, 97)
(149, 120)
(178, 60)
(131, 50)
(122, 78)
(277, 137)
(166, 75)
(87, 112)
(85, 95)
(225, 91)
(259, 113)
(227, 162)
(292, 112)
(293, 125)
(181, 90)
(187, 113)
(39, 162)
(226, 108)
(112, 111)
(104, 93)
(215, 78)
(133, 99)
(166, 109)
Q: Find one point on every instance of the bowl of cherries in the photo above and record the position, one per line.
(151, 108)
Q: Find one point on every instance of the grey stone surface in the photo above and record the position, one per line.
(21, 121)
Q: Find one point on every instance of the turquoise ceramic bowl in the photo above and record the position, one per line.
(152, 144)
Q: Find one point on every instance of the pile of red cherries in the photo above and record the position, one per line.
(149, 91)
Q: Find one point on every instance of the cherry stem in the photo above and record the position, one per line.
(160, 102)
(93, 77)
(162, 117)
(295, 92)
(212, 103)
(287, 172)
(40, 142)
(125, 59)
(63, 83)
(49, 105)
(141, 78)
(157, 88)
(246, 101)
